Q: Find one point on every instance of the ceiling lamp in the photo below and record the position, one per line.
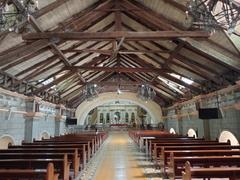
(91, 92)
(146, 93)
(119, 90)
(211, 15)
(13, 12)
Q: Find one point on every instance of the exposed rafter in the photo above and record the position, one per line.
(108, 36)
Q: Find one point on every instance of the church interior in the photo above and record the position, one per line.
(119, 89)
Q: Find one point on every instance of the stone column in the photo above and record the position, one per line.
(122, 117)
(111, 117)
(98, 117)
(206, 129)
(32, 129)
(29, 118)
(59, 125)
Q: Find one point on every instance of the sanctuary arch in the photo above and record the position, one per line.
(151, 107)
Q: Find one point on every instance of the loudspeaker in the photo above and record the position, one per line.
(209, 113)
(71, 121)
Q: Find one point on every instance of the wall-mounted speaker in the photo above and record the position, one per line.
(209, 113)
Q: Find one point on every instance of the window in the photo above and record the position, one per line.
(132, 117)
(126, 116)
(108, 118)
(101, 117)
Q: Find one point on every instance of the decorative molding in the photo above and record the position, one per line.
(34, 114)
(60, 117)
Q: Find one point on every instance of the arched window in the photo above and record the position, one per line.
(101, 117)
(126, 116)
(108, 118)
(226, 136)
(5, 141)
(192, 133)
(172, 131)
(133, 117)
(45, 135)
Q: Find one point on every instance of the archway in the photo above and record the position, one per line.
(45, 135)
(5, 141)
(226, 136)
(172, 131)
(192, 133)
(86, 106)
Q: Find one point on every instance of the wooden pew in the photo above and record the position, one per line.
(149, 144)
(165, 154)
(62, 166)
(157, 147)
(233, 173)
(90, 143)
(88, 149)
(47, 174)
(72, 157)
(176, 164)
(75, 137)
(82, 148)
(48, 150)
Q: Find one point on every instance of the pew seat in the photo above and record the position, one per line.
(29, 174)
(61, 165)
(176, 164)
(232, 173)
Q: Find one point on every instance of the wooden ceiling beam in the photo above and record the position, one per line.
(116, 69)
(109, 52)
(55, 48)
(108, 36)
(147, 14)
(23, 51)
(137, 78)
(197, 67)
(23, 59)
(43, 70)
(166, 22)
(169, 77)
(98, 51)
(118, 17)
(87, 17)
(174, 53)
(97, 59)
(99, 79)
(56, 81)
(154, 79)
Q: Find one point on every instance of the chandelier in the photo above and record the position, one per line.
(13, 12)
(214, 14)
(91, 92)
(146, 93)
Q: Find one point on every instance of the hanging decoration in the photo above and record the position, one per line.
(214, 14)
(14, 12)
(146, 93)
(91, 92)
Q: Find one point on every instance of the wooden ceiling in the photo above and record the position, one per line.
(117, 43)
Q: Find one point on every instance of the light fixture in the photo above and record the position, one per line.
(119, 90)
(13, 13)
(211, 15)
(146, 93)
(91, 92)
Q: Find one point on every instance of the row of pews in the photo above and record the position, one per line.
(182, 157)
(60, 157)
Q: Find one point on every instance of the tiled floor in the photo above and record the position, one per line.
(119, 159)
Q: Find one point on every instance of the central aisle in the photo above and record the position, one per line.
(120, 159)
